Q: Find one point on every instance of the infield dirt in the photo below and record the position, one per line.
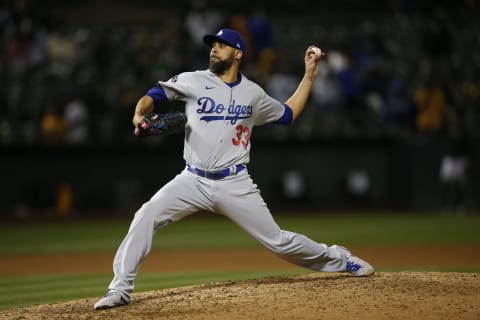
(386, 295)
(400, 295)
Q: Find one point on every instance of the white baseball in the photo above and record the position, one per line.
(317, 51)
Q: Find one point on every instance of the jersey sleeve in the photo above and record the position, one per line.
(272, 110)
(157, 94)
(287, 117)
(177, 88)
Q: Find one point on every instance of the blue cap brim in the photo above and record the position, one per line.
(210, 39)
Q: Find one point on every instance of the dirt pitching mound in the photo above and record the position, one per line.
(402, 295)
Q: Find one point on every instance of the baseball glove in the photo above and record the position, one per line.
(158, 124)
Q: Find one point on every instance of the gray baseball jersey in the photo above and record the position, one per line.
(221, 118)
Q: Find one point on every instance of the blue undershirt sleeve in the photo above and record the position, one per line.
(158, 95)
(287, 117)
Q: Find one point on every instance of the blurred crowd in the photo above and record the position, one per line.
(399, 72)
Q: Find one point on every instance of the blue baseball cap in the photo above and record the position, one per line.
(228, 36)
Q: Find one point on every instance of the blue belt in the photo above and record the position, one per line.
(216, 174)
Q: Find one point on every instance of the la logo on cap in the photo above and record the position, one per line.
(220, 33)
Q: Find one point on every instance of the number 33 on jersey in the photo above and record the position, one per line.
(242, 137)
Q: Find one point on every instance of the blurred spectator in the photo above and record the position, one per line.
(260, 29)
(431, 100)
(349, 80)
(398, 111)
(61, 52)
(24, 39)
(454, 166)
(282, 82)
(370, 58)
(326, 97)
(239, 22)
(76, 121)
(353, 103)
(202, 18)
(326, 92)
(53, 126)
(372, 63)
(19, 49)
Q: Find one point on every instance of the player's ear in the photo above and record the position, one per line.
(238, 54)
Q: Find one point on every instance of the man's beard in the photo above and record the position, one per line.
(220, 66)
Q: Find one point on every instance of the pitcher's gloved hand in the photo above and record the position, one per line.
(163, 123)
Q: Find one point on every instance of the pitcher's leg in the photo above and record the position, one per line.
(293, 247)
(137, 244)
(174, 201)
(241, 202)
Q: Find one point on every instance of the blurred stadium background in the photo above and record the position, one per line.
(393, 122)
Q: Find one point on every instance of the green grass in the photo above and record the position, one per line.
(388, 229)
(203, 233)
(219, 232)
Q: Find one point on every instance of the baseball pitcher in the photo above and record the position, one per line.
(222, 107)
